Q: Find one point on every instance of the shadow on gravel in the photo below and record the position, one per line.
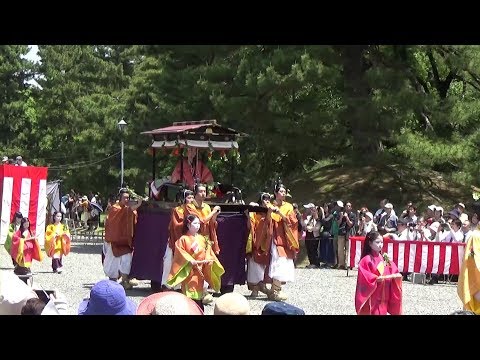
(265, 299)
(86, 249)
(88, 285)
(143, 291)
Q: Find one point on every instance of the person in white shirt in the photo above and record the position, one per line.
(461, 209)
(456, 231)
(19, 161)
(467, 230)
(404, 232)
(366, 224)
(444, 233)
(312, 226)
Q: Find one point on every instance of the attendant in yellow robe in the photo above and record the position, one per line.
(194, 262)
(57, 242)
(468, 287)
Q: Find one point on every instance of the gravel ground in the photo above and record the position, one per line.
(317, 291)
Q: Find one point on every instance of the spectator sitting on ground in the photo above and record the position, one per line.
(107, 297)
(5, 160)
(168, 303)
(231, 304)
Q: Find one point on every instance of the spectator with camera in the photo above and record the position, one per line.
(325, 249)
(438, 215)
(381, 211)
(444, 233)
(388, 221)
(405, 231)
(346, 227)
(410, 214)
(366, 224)
(312, 226)
(422, 230)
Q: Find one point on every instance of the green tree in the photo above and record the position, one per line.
(17, 114)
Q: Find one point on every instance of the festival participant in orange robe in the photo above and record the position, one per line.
(208, 224)
(192, 169)
(175, 228)
(379, 284)
(119, 230)
(194, 262)
(281, 240)
(258, 255)
(25, 248)
(57, 241)
(207, 216)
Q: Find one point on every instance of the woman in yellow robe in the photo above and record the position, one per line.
(57, 242)
(194, 262)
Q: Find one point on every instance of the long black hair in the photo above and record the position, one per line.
(185, 194)
(263, 196)
(23, 221)
(187, 221)
(278, 185)
(371, 237)
(55, 214)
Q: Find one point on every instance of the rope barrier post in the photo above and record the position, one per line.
(347, 252)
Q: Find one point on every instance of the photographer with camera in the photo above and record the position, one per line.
(388, 221)
(312, 226)
(444, 233)
(346, 227)
(410, 214)
(405, 231)
(366, 224)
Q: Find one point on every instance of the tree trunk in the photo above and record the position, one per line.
(359, 116)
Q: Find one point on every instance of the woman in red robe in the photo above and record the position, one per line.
(379, 284)
(25, 248)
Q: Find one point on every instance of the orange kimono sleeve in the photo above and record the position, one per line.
(66, 241)
(50, 240)
(291, 230)
(181, 266)
(176, 226)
